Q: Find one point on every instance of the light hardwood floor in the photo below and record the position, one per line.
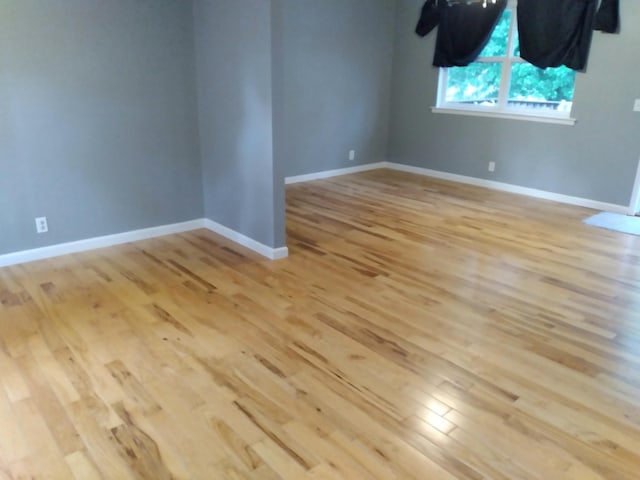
(419, 330)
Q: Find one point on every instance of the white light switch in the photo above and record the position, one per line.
(636, 105)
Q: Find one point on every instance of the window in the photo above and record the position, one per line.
(500, 83)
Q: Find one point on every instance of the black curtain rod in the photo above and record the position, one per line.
(469, 2)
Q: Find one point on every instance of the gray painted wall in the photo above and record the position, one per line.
(336, 72)
(97, 118)
(99, 115)
(595, 159)
(234, 72)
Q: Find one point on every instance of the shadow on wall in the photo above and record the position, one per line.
(241, 196)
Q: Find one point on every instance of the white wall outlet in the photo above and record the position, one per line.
(41, 225)
(492, 166)
(636, 105)
(352, 155)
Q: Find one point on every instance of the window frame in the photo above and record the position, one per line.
(500, 110)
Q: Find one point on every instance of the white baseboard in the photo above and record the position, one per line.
(137, 235)
(250, 243)
(507, 187)
(97, 242)
(334, 173)
(282, 252)
(481, 182)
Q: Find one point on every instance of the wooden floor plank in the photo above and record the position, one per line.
(418, 329)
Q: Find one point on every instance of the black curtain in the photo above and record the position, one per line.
(556, 32)
(551, 32)
(463, 32)
(463, 29)
(429, 17)
(608, 16)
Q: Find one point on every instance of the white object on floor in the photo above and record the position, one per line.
(615, 221)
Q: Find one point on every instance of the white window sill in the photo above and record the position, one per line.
(526, 116)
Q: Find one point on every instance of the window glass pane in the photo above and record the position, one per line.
(550, 89)
(476, 84)
(497, 46)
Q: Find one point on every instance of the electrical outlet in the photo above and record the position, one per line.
(636, 105)
(41, 225)
(352, 155)
(492, 166)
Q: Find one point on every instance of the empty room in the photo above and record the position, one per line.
(319, 239)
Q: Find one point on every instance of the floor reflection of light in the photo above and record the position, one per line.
(434, 416)
(439, 423)
(437, 407)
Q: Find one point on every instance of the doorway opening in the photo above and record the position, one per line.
(634, 204)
